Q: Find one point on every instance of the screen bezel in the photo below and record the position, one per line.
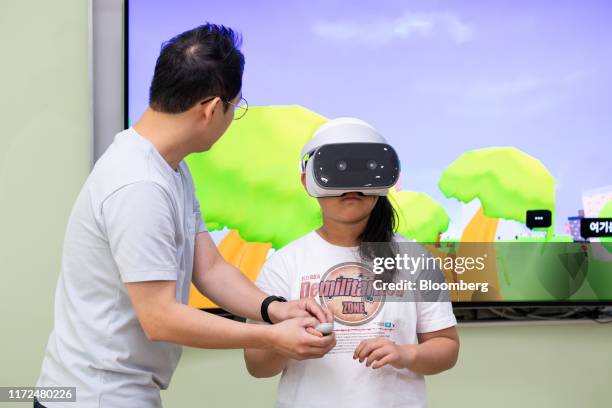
(126, 72)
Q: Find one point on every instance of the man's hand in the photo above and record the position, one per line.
(295, 338)
(280, 311)
(379, 352)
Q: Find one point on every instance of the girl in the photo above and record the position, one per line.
(383, 348)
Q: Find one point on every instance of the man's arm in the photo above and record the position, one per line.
(140, 226)
(225, 285)
(263, 363)
(164, 319)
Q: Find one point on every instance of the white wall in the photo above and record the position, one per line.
(45, 154)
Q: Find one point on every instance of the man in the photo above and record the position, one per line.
(136, 240)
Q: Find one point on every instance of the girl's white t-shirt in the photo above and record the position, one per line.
(311, 266)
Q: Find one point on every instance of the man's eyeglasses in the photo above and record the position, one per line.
(240, 108)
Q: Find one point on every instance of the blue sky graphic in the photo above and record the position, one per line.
(437, 78)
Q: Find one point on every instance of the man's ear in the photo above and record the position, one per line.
(207, 110)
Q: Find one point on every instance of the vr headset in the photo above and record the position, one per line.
(348, 155)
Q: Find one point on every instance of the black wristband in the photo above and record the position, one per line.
(264, 306)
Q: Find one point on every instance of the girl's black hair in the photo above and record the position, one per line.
(379, 230)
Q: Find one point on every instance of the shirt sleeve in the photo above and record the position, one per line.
(273, 279)
(141, 231)
(200, 224)
(434, 316)
(434, 310)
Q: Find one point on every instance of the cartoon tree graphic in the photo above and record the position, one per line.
(420, 217)
(250, 179)
(507, 182)
(249, 182)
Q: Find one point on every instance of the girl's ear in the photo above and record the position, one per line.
(303, 178)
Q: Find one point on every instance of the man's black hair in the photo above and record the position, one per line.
(200, 63)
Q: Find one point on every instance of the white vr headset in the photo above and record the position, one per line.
(348, 155)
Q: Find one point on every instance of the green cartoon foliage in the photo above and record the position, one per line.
(507, 181)
(420, 217)
(250, 179)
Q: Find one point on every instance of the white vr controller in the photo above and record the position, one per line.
(325, 328)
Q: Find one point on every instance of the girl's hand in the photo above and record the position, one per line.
(378, 352)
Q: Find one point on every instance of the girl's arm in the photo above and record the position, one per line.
(436, 352)
(263, 363)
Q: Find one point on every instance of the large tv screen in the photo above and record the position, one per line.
(499, 112)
